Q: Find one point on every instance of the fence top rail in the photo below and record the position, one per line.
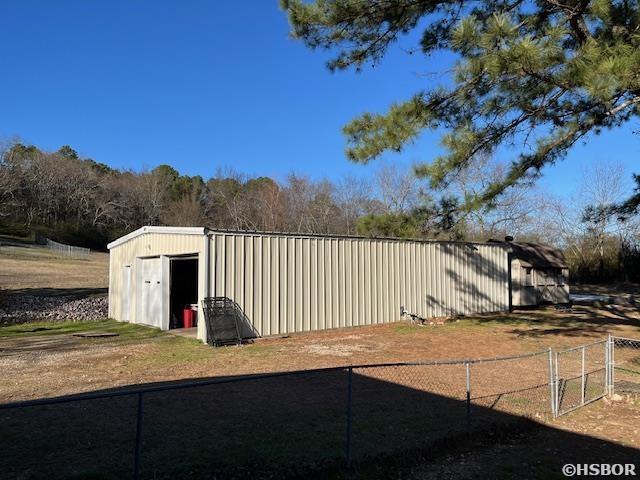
(579, 347)
(626, 339)
(459, 361)
(53, 243)
(244, 378)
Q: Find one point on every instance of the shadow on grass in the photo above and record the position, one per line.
(580, 321)
(283, 426)
(70, 293)
(611, 288)
(41, 337)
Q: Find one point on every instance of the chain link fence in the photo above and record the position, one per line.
(280, 424)
(273, 423)
(626, 365)
(75, 439)
(67, 250)
(409, 406)
(581, 375)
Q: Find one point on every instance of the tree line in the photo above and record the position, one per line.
(83, 202)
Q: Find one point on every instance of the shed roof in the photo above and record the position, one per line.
(537, 255)
(157, 229)
(209, 231)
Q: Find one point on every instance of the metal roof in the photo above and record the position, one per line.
(538, 255)
(157, 229)
(209, 231)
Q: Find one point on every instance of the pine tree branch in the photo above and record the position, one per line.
(623, 105)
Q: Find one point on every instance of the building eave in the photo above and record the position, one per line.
(157, 229)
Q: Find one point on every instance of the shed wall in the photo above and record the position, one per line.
(540, 288)
(289, 284)
(148, 245)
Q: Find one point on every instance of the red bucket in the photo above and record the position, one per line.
(188, 317)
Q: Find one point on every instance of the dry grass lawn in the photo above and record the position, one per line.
(31, 269)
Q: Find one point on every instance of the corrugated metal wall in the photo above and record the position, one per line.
(147, 245)
(289, 284)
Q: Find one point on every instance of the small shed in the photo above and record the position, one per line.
(539, 275)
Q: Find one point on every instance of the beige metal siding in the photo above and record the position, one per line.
(148, 245)
(288, 284)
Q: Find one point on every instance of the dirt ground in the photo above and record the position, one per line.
(53, 362)
(603, 432)
(47, 360)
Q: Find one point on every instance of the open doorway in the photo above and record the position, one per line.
(184, 291)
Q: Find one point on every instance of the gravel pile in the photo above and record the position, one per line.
(28, 308)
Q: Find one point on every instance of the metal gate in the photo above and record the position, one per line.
(582, 375)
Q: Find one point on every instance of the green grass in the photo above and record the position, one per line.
(406, 328)
(166, 350)
(125, 331)
(17, 238)
(258, 350)
(170, 350)
(179, 351)
(174, 351)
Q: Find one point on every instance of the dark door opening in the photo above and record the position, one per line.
(184, 289)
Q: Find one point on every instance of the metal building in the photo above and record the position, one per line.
(288, 283)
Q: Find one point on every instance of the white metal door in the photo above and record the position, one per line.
(125, 315)
(151, 292)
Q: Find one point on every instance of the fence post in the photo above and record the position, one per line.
(607, 370)
(136, 458)
(612, 364)
(468, 370)
(582, 378)
(556, 386)
(349, 416)
(552, 389)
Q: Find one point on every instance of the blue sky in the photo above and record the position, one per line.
(206, 84)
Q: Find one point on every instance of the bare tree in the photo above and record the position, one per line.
(509, 214)
(581, 224)
(227, 206)
(398, 189)
(185, 212)
(354, 197)
(9, 182)
(298, 197)
(66, 194)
